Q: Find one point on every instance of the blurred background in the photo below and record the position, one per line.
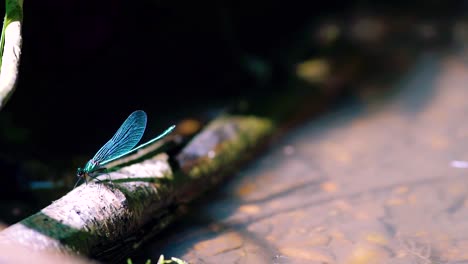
(87, 65)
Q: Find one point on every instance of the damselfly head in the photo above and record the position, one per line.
(80, 173)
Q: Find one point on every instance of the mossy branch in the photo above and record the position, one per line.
(106, 221)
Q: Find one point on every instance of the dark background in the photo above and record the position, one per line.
(86, 65)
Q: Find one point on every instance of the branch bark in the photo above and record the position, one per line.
(106, 221)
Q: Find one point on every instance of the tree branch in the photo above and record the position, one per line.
(107, 220)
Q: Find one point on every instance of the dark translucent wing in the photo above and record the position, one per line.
(163, 134)
(126, 138)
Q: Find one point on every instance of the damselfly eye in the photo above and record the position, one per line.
(79, 172)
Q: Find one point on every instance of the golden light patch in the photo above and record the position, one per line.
(315, 70)
(337, 152)
(395, 201)
(457, 189)
(246, 189)
(361, 215)
(412, 199)
(439, 143)
(343, 157)
(401, 253)
(464, 256)
(329, 187)
(421, 233)
(271, 238)
(309, 254)
(338, 236)
(320, 229)
(343, 205)
(401, 190)
(377, 238)
(188, 126)
(367, 255)
(249, 209)
(333, 212)
(222, 243)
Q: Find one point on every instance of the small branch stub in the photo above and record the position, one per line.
(10, 49)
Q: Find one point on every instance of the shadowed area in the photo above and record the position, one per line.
(371, 182)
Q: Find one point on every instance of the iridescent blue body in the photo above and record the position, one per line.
(121, 144)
